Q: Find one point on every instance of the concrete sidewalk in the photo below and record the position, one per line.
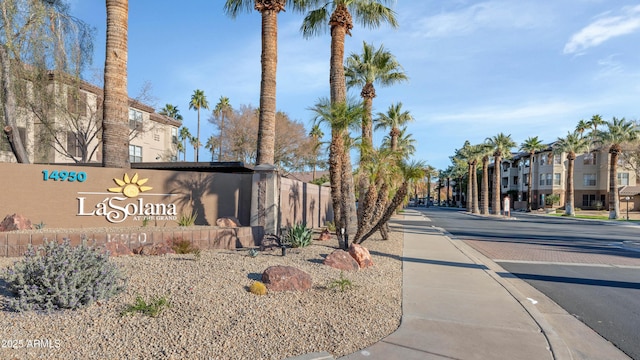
(458, 304)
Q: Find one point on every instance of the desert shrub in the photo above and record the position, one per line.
(258, 288)
(152, 308)
(58, 276)
(331, 226)
(182, 246)
(298, 236)
(341, 284)
(253, 252)
(187, 219)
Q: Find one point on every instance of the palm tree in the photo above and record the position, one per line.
(501, 145)
(198, 101)
(618, 133)
(393, 120)
(484, 152)
(337, 15)
(269, 10)
(184, 135)
(211, 145)
(220, 111)
(582, 126)
(195, 143)
(366, 69)
(532, 145)
(404, 144)
(572, 144)
(340, 117)
(429, 171)
(115, 116)
(593, 124)
(463, 158)
(316, 134)
(171, 111)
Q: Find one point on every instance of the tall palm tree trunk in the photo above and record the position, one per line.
(530, 186)
(614, 204)
(569, 206)
(335, 178)
(368, 93)
(470, 194)
(496, 184)
(269, 61)
(115, 123)
(485, 185)
(474, 186)
(196, 148)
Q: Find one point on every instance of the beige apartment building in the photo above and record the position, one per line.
(590, 179)
(68, 128)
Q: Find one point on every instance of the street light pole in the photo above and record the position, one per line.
(627, 199)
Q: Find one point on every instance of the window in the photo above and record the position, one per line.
(543, 159)
(556, 179)
(589, 159)
(174, 135)
(542, 178)
(588, 199)
(515, 180)
(4, 143)
(505, 166)
(526, 163)
(546, 179)
(135, 153)
(623, 178)
(73, 144)
(589, 180)
(526, 179)
(76, 102)
(557, 159)
(135, 119)
(505, 182)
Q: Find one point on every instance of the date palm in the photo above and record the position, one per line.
(393, 119)
(220, 111)
(184, 135)
(572, 144)
(532, 145)
(211, 145)
(501, 145)
(619, 132)
(581, 127)
(336, 16)
(115, 118)
(594, 122)
(198, 101)
(269, 10)
(366, 69)
(171, 111)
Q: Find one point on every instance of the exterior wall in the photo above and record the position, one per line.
(78, 204)
(303, 203)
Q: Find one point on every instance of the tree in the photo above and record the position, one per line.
(366, 69)
(195, 143)
(581, 127)
(171, 111)
(211, 145)
(340, 117)
(484, 152)
(115, 119)
(571, 145)
(532, 145)
(269, 10)
(37, 39)
(501, 145)
(618, 133)
(222, 109)
(183, 136)
(393, 120)
(316, 134)
(198, 101)
(593, 123)
(337, 15)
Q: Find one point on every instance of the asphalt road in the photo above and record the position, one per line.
(587, 267)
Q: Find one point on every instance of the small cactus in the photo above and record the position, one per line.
(258, 288)
(254, 252)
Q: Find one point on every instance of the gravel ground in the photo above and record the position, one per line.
(213, 316)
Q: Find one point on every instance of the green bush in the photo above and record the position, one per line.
(152, 308)
(58, 276)
(187, 219)
(331, 226)
(342, 283)
(298, 236)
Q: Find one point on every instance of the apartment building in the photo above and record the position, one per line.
(68, 128)
(549, 177)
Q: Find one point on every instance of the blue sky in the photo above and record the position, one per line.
(476, 68)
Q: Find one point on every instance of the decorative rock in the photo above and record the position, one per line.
(15, 222)
(325, 235)
(117, 249)
(361, 255)
(269, 242)
(155, 249)
(228, 221)
(341, 260)
(286, 278)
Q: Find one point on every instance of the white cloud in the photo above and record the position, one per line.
(604, 29)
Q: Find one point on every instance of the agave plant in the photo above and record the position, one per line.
(298, 236)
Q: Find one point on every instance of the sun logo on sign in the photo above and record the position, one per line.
(130, 187)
